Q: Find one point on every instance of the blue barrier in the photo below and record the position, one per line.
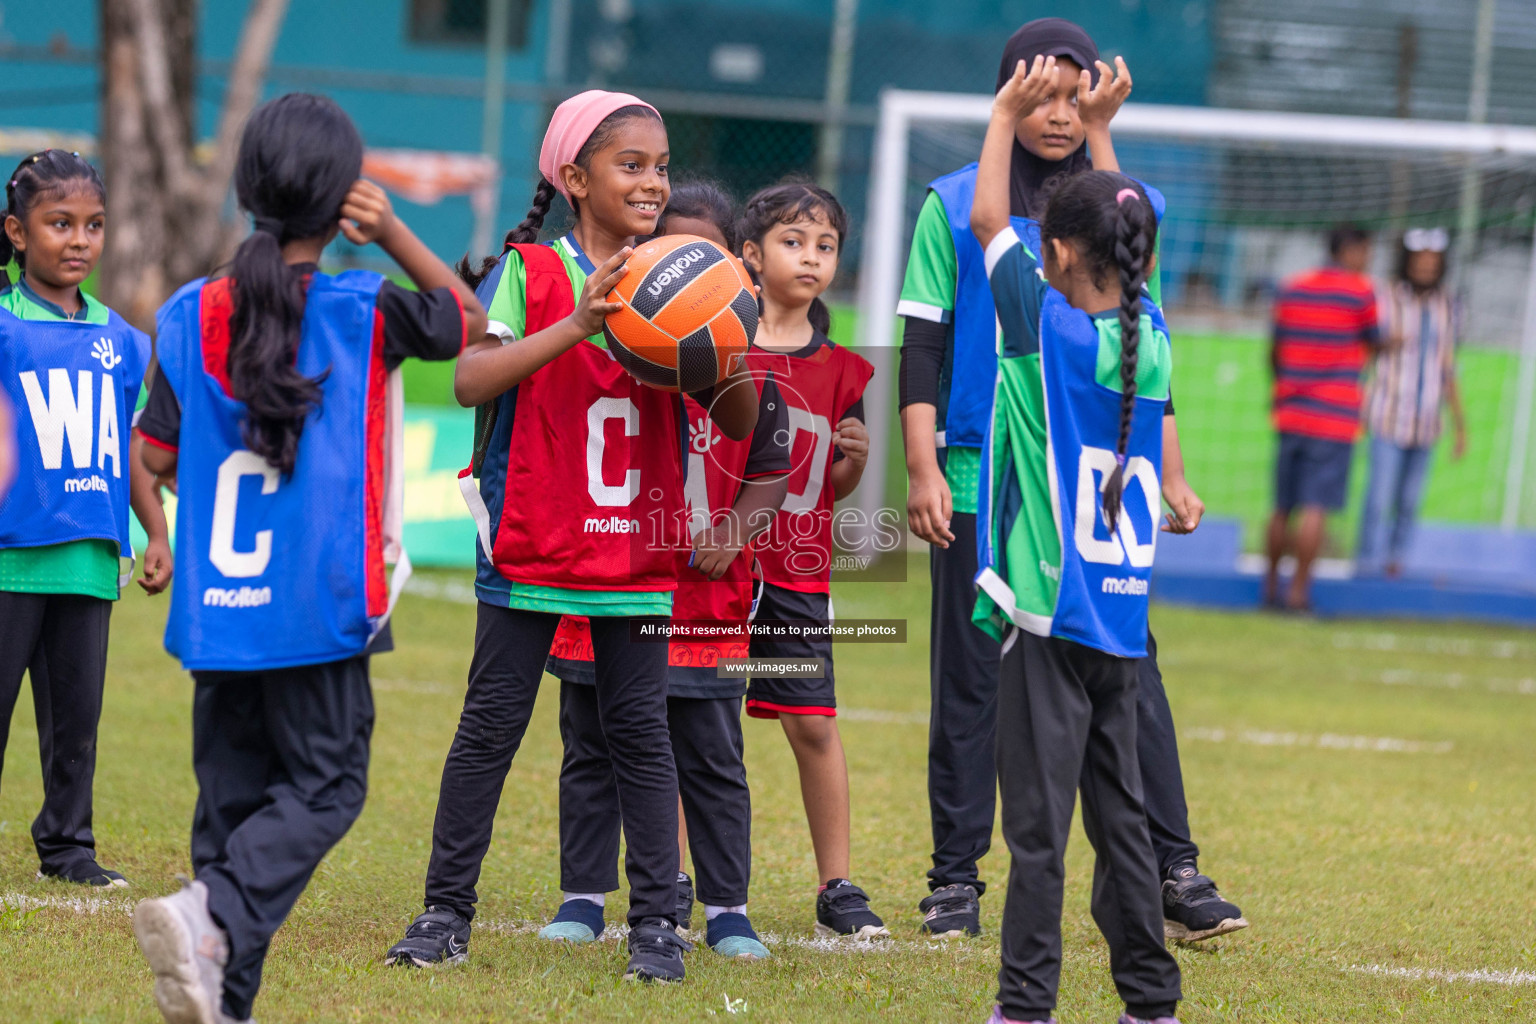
(1451, 573)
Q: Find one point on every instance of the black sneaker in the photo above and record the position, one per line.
(655, 951)
(440, 937)
(842, 911)
(684, 902)
(85, 872)
(952, 911)
(1194, 910)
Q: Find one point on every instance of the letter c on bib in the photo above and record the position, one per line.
(599, 413)
(226, 496)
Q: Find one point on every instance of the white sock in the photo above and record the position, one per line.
(596, 897)
(682, 876)
(710, 913)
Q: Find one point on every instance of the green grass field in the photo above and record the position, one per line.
(1363, 790)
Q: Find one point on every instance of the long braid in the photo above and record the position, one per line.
(527, 231)
(1132, 251)
(544, 196)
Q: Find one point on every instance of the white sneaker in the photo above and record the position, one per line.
(187, 951)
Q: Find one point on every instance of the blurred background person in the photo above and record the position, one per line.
(1324, 328)
(1413, 376)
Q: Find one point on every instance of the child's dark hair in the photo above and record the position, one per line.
(50, 174)
(701, 199)
(299, 157)
(1405, 254)
(1341, 236)
(786, 203)
(544, 194)
(1112, 222)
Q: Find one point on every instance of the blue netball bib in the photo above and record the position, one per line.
(1105, 575)
(973, 363)
(73, 386)
(275, 571)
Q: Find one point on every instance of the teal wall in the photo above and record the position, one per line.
(914, 44)
(427, 95)
(330, 38)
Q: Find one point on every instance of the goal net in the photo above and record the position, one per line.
(1251, 196)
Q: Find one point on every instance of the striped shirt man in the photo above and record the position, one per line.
(1324, 327)
(1409, 382)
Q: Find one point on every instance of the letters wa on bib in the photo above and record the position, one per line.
(73, 385)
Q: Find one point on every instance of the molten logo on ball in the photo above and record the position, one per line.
(673, 272)
(689, 309)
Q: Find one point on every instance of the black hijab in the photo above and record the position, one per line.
(1033, 179)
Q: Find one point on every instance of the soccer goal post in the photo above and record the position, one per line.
(1251, 195)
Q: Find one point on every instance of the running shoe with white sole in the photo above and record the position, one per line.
(437, 938)
(655, 951)
(842, 912)
(732, 935)
(1126, 1018)
(952, 911)
(1194, 910)
(998, 1018)
(578, 921)
(187, 951)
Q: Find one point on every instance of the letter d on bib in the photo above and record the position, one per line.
(226, 496)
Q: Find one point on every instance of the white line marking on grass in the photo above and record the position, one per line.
(1449, 681)
(74, 904)
(1256, 564)
(1325, 741)
(883, 717)
(1423, 974)
(616, 933)
(441, 590)
(514, 927)
(861, 946)
(1457, 646)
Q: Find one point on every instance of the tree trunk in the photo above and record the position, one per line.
(166, 213)
(132, 277)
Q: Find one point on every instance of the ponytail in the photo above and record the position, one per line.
(1134, 229)
(819, 316)
(299, 157)
(264, 334)
(524, 234)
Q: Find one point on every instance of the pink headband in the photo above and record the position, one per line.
(573, 124)
(1126, 193)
